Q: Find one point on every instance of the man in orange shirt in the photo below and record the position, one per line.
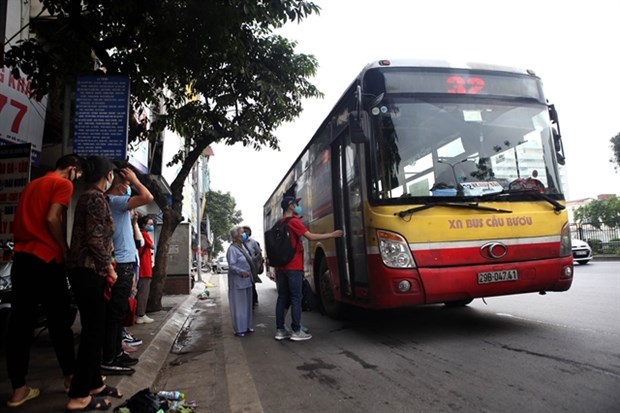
(38, 274)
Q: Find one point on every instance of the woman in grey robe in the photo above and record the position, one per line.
(240, 281)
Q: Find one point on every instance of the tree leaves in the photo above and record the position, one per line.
(223, 216)
(615, 147)
(600, 212)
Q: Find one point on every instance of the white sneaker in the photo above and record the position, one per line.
(300, 336)
(144, 320)
(282, 335)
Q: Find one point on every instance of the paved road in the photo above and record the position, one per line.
(559, 352)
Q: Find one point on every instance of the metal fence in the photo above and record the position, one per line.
(604, 240)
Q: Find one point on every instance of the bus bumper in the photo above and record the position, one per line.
(460, 283)
(450, 284)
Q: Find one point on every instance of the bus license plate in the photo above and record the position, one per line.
(497, 276)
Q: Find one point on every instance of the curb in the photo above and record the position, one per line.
(154, 356)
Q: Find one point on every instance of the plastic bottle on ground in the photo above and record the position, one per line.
(171, 395)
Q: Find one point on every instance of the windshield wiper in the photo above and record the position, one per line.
(534, 193)
(406, 212)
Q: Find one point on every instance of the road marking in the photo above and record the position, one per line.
(242, 393)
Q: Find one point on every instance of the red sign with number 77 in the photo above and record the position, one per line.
(22, 119)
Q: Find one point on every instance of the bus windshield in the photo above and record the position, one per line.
(436, 146)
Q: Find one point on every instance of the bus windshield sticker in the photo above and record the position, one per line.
(481, 188)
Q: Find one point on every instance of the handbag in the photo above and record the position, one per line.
(144, 401)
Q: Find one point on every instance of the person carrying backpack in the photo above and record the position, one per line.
(289, 276)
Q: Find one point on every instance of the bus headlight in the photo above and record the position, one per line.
(394, 250)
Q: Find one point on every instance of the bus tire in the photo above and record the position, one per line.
(328, 302)
(460, 303)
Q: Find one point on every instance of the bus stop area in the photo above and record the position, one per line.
(158, 339)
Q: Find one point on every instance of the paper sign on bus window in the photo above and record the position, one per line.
(472, 116)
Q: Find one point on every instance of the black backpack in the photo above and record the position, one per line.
(278, 245)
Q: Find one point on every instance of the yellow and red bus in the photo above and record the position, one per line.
(445, 179)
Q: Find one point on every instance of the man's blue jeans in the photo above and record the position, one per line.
(289, 294)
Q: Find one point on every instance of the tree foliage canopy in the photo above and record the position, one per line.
(615, 147)
(600, 212)
(215, 66)
(223, 217)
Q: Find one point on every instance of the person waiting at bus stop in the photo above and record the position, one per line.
(41, 251)
(114, 360)
(289, 277)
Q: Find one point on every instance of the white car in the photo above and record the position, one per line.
(582, 253)
(223, 263)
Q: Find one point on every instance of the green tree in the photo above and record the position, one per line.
(223, 216)
(600, 212)
(615, 147)
(213, 70)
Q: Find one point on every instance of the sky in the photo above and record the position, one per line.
(570, 45)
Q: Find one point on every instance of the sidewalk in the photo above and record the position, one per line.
(158, 338)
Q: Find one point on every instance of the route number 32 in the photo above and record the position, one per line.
(471, 86)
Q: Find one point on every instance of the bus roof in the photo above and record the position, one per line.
(445, 64)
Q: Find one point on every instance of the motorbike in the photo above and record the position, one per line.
(5, 288)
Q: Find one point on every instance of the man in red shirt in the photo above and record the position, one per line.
(38, 274)
(289, 277)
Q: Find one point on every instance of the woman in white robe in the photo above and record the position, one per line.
(240, 282)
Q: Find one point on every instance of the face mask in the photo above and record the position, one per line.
(149, 228)
(298, 209)
(108, 185)
(244, 237)
(128, 192)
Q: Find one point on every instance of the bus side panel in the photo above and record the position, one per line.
(458, 283)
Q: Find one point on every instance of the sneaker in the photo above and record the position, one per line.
(303, 328)
(127, 348)
(144, 320)
(300, 336)
(125, 360)
(131, 340)
(113, 370)
(282, 334)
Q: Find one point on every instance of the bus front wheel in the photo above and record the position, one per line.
(326, 291)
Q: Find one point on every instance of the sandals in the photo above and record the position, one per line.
(95, 403)
(32, 393)
(108, 391)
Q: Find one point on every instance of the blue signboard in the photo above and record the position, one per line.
(101, 116)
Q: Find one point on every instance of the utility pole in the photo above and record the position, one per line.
(198, 197)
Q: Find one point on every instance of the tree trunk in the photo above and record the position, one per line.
(171, 219)
(170, 222)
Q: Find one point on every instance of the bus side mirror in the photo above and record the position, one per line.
(358, 127)
(557, 137)
(559, 148)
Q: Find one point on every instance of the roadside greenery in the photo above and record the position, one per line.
(223, 216)
(212, 71)
(600, 212)
(615, 147)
